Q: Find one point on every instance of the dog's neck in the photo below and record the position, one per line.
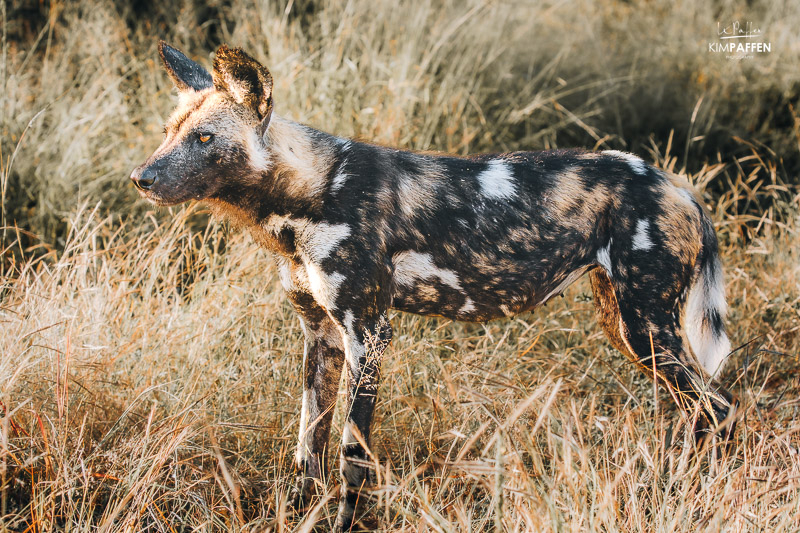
(292, 166)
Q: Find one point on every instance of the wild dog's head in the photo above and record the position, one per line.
(214, 137)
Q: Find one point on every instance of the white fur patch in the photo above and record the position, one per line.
(604, 257)
(341, 175)
(635, 162)
(185, 98)
(292, 278)
(302, 449)
(641, 239)
(236, 88)
(275, 223)
(319, 240)
(316, 239)
(415, 193)
(347, 434)
(285, 273)
(339, 179)
(255, 151)
(707, 294)
(303, 169)
(497, 180)
(348, 322)
(411, 266)
(324, 287)
(354, 350)
(468, 307)
(300, 276)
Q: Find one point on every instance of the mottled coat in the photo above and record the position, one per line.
(359, 229)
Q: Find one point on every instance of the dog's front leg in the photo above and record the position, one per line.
(323, 355)
(365, 342)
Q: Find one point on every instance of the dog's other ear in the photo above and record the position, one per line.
(185, 73)
(244, 79)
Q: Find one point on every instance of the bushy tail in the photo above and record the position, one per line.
(706, 307)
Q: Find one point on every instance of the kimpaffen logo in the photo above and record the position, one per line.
(739, 40)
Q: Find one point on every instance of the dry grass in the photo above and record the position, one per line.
(142, 398)
(150, 364)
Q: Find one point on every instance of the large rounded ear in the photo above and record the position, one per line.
(185, 73)
(245, 79)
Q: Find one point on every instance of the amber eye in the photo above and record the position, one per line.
(204, 137)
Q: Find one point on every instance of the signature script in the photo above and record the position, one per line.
(737, 30)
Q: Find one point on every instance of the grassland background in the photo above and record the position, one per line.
(149, 365)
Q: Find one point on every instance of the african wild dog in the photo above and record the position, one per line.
(359, 229)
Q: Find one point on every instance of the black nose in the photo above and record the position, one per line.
(143, 178)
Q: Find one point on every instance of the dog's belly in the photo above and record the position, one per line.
(474, 296)
(433, 298)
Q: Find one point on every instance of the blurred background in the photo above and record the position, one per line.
(150, 363)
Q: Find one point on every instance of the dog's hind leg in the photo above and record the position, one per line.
(641, 316)
(608, 314)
